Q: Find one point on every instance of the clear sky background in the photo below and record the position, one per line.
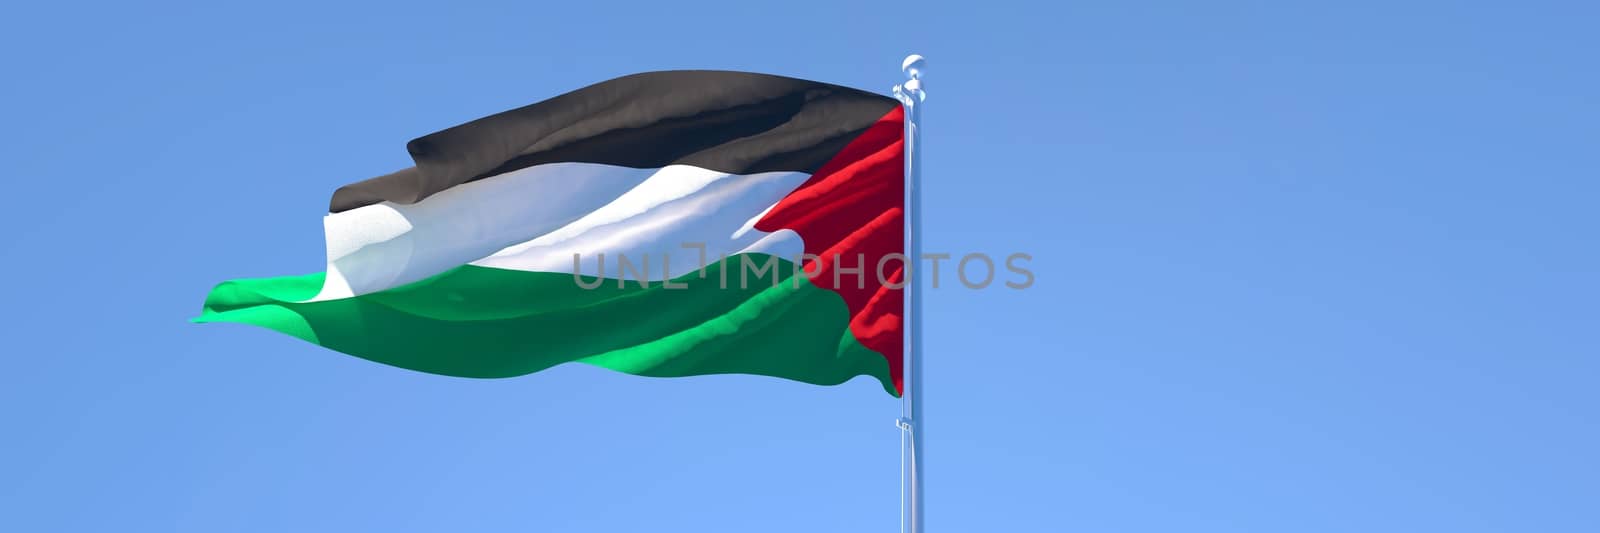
(1324, 267)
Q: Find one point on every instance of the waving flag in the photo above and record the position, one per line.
(661, 224)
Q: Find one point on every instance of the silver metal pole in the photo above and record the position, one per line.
(912, 420)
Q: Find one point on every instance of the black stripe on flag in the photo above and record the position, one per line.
(735, 122)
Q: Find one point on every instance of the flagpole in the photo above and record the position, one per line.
(912, 432)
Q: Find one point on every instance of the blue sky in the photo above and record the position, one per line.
(1316, 267)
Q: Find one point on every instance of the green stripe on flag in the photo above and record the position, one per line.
(486, 322)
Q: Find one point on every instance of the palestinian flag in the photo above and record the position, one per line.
(661, 224)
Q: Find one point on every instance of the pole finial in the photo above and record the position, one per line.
(913, 66)
(911, 91)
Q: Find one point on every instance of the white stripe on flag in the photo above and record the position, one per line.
(536, 218)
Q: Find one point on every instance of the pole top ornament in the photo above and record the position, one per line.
(911, 91)
(913, 66)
